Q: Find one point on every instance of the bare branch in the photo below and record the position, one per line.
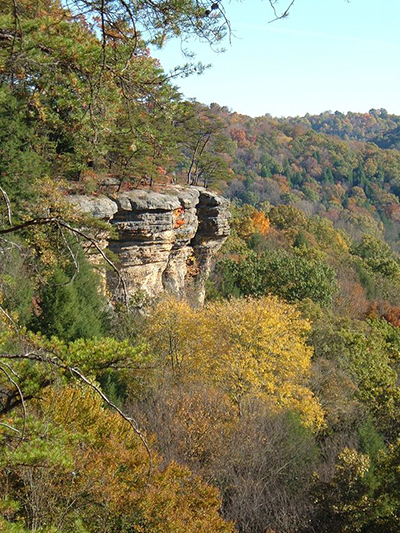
(59, 222)
(8, 204)
(55, 361)
(11, 380)
(284, 14)
(272, 4)
(10, 427)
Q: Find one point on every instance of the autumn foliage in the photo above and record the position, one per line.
(247, 348)
(274, 408)
(97, 475)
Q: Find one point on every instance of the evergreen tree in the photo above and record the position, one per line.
(71, 304)
(328, 175)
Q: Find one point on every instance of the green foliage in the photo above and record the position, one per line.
(108, 360)
(387, 499)
(113, 387)
(370, 441)
(91, 102)
(353, 500)
(300, 240)
(342, 504)
(21, 163)
(71, 306)
(292, 277)
(378, 257)
(369, 353)
(16, 284)
(286, 217)
(75, 113)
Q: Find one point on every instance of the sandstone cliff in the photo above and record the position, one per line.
(165, 241)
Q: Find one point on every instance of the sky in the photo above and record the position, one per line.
(328, 55)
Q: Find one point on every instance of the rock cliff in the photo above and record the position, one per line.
(165, 241)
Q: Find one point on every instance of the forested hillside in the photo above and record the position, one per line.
(272, 408)
(377, 126)
(303, 162)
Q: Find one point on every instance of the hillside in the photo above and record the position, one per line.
(377, 126)
(302, 162)
(139, 393)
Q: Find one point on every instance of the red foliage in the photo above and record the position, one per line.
(240, 137)
(383, 309)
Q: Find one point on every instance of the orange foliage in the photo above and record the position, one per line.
(178, 215)
(283, 182)
(373, 311)
(111, 468)
(240, 137)
(260, 222)
(393, 316)
(392, 211)
(383, 309)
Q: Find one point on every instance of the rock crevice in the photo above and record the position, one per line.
(165, 241)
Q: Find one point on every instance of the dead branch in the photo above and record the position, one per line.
(9, 427)
(40, 221)
(55, 361)
(23, 405)
(8, 204)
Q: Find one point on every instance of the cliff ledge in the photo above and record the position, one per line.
(166, 240)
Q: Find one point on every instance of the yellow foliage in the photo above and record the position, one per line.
(244, 347)
(247, 220)
(111, 469)
(327, 236)
(170, 331)
(260, 222)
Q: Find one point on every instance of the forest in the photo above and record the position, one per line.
(273, 408)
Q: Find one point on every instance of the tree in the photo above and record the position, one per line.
(292, 277)
(192, 420)
(82, 104)
(351, 502)
(246, 348)
(368, 352)
(265, 470)
(205, 147)
(378, 257)
(247, 220)
(343, 504)
(70, 305)
(80, 469)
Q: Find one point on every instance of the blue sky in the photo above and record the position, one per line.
(328, 55)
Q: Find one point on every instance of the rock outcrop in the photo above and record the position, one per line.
(165, 241)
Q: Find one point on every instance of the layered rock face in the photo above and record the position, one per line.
(165, 241)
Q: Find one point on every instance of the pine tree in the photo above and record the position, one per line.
(71, 304)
